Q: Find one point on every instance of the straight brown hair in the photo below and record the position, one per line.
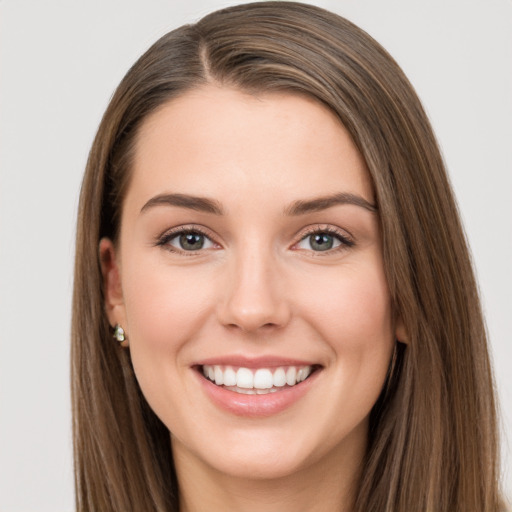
(432, 443)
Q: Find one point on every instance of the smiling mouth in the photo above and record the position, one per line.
(260, 381)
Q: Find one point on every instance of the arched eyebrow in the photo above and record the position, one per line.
(299, 207)
(318, 204)
(201, 204)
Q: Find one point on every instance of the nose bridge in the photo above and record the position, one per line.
(254, 296)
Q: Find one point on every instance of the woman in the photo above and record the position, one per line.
(274, 305)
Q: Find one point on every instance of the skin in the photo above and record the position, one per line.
(257, 288)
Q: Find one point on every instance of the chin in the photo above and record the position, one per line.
(263, 466)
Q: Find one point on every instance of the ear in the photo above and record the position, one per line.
(400, 331)
(110, 269)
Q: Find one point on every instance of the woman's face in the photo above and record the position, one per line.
(249, 251)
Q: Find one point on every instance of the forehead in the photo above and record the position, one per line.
(222, 142)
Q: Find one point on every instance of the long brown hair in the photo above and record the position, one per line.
(432, 442)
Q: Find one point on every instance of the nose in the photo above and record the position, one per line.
(254, 297)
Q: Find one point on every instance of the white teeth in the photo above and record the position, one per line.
(290, 376)
(263, 379)
(251, 391)
(260, 381)
(244, 391)
(229, 376)
(244, 378)
(279, 378)
(219, 376)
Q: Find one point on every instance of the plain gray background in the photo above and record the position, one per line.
(60, 62)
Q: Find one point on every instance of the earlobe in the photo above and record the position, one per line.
(400, 331)
(113, 292)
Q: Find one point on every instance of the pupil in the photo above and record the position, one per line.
(321, 242)
(191, 241)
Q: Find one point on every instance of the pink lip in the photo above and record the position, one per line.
(254, 406)
(253, 362)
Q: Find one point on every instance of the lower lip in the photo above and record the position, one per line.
(256, 405)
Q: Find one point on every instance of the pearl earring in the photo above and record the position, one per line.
(119, 334)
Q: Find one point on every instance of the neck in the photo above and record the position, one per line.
(327, 484)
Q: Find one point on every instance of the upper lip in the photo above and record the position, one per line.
(254, 362)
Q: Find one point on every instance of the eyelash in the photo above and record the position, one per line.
(164, 239)
(346, 242)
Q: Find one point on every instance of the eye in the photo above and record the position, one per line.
(189, 240)
(324, 240)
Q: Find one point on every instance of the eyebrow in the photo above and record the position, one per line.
(201, 204)
(300, 207)
(318, 204)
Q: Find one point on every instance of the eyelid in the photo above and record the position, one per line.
(347, 240)
(164, 238)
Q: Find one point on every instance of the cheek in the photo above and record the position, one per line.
(162, 303)
(164, 308)
(355, 314)
(355, 321)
